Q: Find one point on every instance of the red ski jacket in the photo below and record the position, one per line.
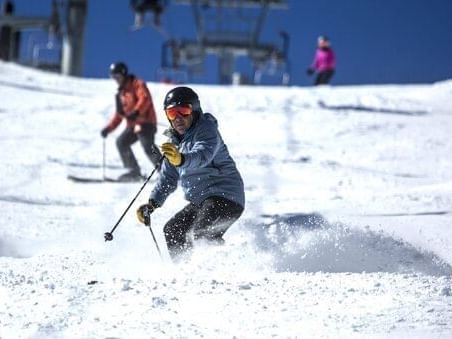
(133, 97)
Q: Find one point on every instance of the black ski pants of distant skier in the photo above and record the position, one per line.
(146, 136)
(324, 77)
(208, 221)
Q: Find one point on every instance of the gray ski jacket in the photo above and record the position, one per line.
(207, 170)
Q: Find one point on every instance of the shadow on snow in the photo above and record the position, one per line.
(369, 109)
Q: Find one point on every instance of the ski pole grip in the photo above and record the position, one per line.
(147, 216)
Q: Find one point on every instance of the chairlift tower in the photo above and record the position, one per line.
(12, 26)
(227, 29)
(73, 39)
(67, 27)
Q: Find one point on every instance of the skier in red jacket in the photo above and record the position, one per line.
(134, 104)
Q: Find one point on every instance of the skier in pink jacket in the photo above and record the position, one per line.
(324, 62)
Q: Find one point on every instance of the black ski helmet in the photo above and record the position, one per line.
(180, 96)
(118, 68)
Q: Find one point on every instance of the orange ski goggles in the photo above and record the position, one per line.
(182, 110)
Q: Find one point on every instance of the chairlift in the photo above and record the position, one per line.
(47, 55)
(142, 9)
(229, 29)
(275, 68)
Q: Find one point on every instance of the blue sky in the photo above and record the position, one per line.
(376, 41)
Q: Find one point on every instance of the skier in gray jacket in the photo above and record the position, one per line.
(197, 157)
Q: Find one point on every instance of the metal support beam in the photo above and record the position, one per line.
(73, 42)
(259, 24)
(225, 67)
(198, 21)
(273, 4)
(21, 22)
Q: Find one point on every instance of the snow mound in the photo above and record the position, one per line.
(308, 243)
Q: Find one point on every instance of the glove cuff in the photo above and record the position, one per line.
(182, 159)
(154, 203)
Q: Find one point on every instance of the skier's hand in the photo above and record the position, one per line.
(104, 132)
(310, 71)
(171, 153)
(144, 212)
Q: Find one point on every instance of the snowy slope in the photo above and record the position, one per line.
(346, 230)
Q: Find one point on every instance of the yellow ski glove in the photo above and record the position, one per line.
(144, 212)
(171, 153)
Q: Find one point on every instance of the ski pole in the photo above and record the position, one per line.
(109, 235)
(103, 158)
(147, 222)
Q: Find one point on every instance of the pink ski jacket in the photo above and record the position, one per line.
(324, 60)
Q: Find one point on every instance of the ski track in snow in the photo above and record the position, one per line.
(346, 231)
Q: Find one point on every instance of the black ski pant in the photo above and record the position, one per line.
(209, 221)
(128, 137)
(324, 77)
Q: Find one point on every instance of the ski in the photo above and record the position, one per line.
(90, 179)
(81, 164)
(87, 180)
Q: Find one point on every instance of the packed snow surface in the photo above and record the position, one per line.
(346, 233)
